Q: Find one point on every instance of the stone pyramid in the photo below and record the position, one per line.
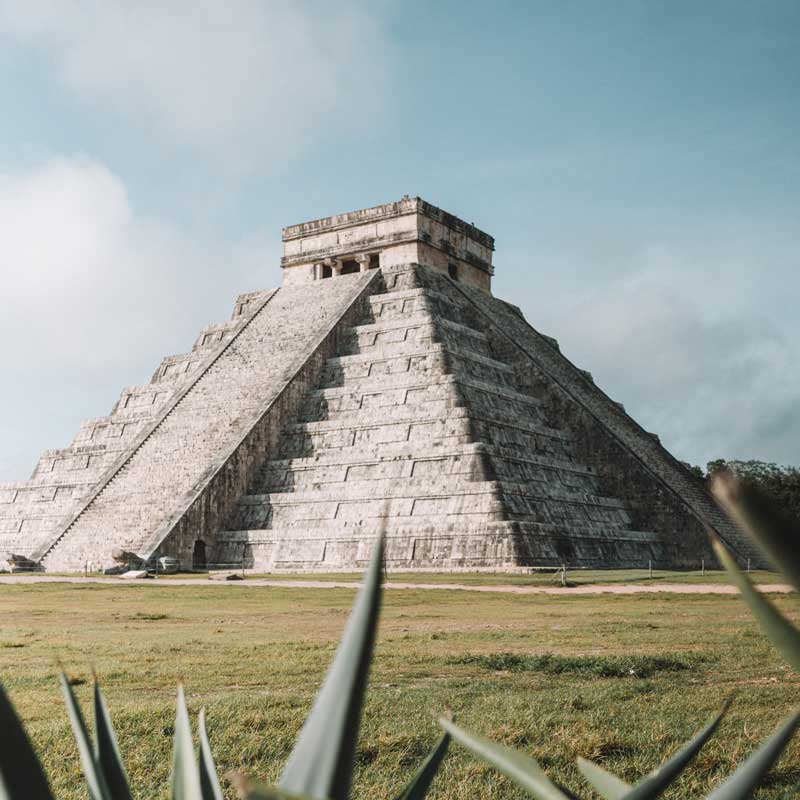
(382, 385)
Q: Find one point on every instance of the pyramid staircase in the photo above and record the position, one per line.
(420, 424)
(160, 480)
(32, 510)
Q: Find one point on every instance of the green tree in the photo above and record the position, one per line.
(781, 483)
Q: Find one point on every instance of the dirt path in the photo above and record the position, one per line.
(632, 588)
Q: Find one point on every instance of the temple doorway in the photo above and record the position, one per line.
(199, 555)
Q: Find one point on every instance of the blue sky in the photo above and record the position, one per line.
(638, 164)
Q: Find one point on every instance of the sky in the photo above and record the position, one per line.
(638, 164)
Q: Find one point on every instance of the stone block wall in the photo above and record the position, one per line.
(633, 464)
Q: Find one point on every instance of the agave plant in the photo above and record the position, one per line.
(779, 537)
(320, 767)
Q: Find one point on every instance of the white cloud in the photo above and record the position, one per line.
(685, 339)
(94, 296)
(249, 82)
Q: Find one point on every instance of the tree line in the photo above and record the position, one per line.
(781, 483)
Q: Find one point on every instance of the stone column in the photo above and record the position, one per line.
(318, 271)
(336, 266)
(363, 262)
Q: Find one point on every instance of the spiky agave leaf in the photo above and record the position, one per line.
(650, 787)
(106, 749)
(421, 780)
(95, 780)
(249, 789)
(748, 776)
(19, 766)
(209, 782)
(606, 783)
(780, 631)
(517, 766)
(185, 777)
(321, 763)
(775, 532)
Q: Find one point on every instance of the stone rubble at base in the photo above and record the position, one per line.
(382, 387)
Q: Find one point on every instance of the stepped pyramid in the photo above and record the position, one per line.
(382, 384)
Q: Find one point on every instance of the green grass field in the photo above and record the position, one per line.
(574, 577)
(586, 577)
(255, 657)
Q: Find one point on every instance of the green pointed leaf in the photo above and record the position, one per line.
(106, 750)
(568, 793)
(521, 769)
(321, 763)
(420, 782)
(249, 789)
(606, 783)
(209, 782)
(185, 777)
(758, 515)
(4, 793)
(650, 787)
(95, 780)
(780, 631)
(658, 780)
(747, 777)
(19, 766)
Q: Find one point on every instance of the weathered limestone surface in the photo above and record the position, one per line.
(658, 489)
(369, 392)
(149, 491)
(30, 511)
(407, 231)
(426, 422)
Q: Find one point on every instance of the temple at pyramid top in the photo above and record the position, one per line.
(406, 231)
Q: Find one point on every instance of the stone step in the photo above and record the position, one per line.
(522, 438)
(392, 305)
(306, 439)
(213, 335)
(452, 494)
(393, 526)
(410, 452)
(355, 395)
(409, 416)
(379, 489)
(339, 548)
(291, 475)
(206, 421)
(430, 511)
(395, 336)
(399, 451)
(435, 360)
(21, 498)
(177, 368)
(332, 403)
(109, 430)
(74, 464)
(300, 441)
(148, 397)
(415, 348)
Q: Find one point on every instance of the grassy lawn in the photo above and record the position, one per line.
(255, 657)
(574, 577)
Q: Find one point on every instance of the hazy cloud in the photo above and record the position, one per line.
(95, 295)
(688, 340)
(249, 82)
